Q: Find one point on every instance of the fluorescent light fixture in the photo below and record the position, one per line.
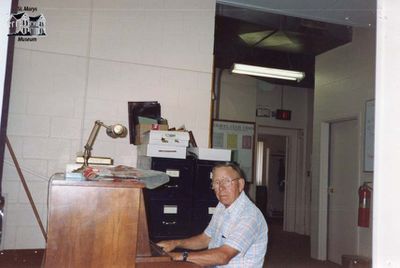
(267, 72)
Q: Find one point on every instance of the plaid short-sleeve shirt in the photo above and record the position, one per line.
(241, 226)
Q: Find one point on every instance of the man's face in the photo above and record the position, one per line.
(227, 185)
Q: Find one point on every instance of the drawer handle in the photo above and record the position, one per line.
(171, 186)
(167, 151)
(169, 222)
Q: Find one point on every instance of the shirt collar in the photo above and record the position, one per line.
(236, 204)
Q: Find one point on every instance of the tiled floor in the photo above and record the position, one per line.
(285, 250)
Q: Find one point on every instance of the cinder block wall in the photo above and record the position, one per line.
(97, 56)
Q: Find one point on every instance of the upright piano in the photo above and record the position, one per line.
(100, 224)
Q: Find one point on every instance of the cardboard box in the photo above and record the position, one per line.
(211, 153)
(155, 150)
(141, 129)
(167, 138)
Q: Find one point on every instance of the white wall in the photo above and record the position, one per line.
(386, 233)
(240, 95)
(344, 81)
(99, 55)
(237, 97)
(275, 97)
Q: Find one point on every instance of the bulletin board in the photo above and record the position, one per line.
(369, 136)
(239, 137)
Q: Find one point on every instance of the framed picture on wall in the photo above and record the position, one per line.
(369, 134)
(239, 137)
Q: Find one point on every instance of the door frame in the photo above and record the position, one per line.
(323, 183)
(296, 217)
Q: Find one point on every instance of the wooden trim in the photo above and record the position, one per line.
(6, 94)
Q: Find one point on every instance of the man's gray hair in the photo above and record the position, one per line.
(232, 165)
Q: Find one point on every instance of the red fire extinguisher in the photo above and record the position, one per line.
(364, 193)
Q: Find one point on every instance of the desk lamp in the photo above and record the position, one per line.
(114, 131)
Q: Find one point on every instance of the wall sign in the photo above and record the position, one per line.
(263, 112)
(239, 137)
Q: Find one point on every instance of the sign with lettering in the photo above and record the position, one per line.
(27, 26)
(239, 137)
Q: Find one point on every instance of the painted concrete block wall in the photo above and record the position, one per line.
(99, 55)
(345, 80)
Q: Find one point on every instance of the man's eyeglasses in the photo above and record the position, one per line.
(224, 182)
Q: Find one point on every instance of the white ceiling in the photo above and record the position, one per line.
(357, 13)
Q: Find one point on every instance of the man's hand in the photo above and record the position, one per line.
(176, 256)
(168, 245)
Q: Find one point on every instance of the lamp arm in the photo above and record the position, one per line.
(90, 141)
(114, 131)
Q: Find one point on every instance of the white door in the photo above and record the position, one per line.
(342, 191)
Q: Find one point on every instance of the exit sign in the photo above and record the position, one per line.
(283, 114)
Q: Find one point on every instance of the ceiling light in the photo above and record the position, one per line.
(267, 72)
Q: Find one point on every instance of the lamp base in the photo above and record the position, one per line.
(95, 160)
(79, 170)
(74, 172)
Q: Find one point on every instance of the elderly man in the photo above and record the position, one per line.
(237, 234)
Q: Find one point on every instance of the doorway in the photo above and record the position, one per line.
(287, 188)
(275, 173)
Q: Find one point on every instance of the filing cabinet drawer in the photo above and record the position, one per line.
(180, 173)
(170, 219)
(203, 180)
(202, 214)
(204, 210)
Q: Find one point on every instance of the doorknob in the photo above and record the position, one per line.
(331, 190)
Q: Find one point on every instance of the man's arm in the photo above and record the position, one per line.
(195, 242)
(215, 256)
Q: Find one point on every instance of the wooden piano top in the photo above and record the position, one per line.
(100, 224)
(114, 183)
